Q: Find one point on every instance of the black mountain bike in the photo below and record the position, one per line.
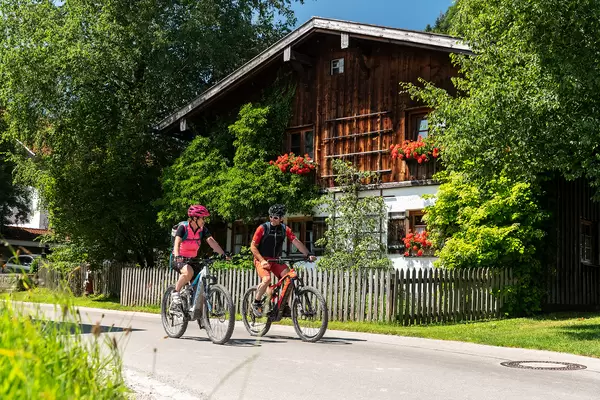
(204, 301)
(308, 308)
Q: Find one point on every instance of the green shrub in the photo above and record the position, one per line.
(242, 260)
(497, 225)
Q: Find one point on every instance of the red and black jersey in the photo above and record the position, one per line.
(269, 239)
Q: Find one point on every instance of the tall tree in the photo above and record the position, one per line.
(443, 22)
(526, 109)
(528, 98)
(83, 84)
(244, 185)
(14, 198)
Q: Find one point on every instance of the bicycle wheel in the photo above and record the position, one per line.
(255, 326)
(218, 315)
(174, 322)
(309, 313)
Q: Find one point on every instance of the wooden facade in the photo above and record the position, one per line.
(359, 113)
(354, 111)
(573, 276)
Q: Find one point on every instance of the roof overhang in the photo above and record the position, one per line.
(324, 25)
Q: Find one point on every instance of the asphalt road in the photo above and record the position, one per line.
(343, 365)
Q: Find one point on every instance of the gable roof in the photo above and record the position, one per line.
(324, 25)
(22, 233)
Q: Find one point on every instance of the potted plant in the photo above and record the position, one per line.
(416, 244)
(421, 150)
(291, 163)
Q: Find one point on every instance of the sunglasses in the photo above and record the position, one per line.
(275, 217)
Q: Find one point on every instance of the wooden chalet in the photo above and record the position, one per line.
(348, 105)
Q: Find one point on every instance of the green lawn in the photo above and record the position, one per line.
(577, 333)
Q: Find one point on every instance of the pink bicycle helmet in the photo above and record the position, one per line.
(198, 210)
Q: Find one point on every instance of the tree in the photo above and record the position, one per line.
(443, 22)
(526, 110)
(14, 199)
(245, 185)
(84, 83)
(354, 224)
(528, 97)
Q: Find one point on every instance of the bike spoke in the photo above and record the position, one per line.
(220, 319)
(174, 321)
(310, 315)
(254, 325)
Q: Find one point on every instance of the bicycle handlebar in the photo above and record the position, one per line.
(290, 259)
(210, 259)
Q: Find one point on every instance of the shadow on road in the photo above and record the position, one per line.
(325, 340)
(335, 340)
(236, 342)
(86, 328)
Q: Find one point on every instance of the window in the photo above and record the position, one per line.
(308, 232)
(242, 235)
(301, 143)
(422, 127)
(418, 125)
(396, 232)
(587, 251)
(337, 66)
(415, 221)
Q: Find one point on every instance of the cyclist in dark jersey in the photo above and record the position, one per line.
(186, 249)
(267, 244)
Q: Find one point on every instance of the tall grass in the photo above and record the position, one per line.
(42, 359)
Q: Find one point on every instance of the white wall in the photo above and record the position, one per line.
(402, 199)
(39, 217)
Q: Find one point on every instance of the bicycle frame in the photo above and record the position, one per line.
(280, 295)
(199, 287)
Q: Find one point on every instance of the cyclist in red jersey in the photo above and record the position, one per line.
(184, 250)
(267, 244)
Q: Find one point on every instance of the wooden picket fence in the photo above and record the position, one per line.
(414, 296)
(106, 280)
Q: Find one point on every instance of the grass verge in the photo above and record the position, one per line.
(576, 333)
(41, 295)
(52, 360)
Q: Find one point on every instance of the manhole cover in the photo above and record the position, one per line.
(544, 365)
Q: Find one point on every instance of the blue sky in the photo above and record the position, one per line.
(406, 14)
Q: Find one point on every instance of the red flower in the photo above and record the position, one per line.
(294, 164)
(416, 244)
(420, 150)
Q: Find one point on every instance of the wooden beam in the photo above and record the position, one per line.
(345, 40)
(379, 171)
(358, 116)
(291, 55)
(360, 153)
(183, 125)
(359, 134)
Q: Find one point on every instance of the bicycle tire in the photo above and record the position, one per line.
(165, 315)
(255, 326)
(303, 307)
(217, 309)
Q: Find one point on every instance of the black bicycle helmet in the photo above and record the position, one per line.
(278, 210)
